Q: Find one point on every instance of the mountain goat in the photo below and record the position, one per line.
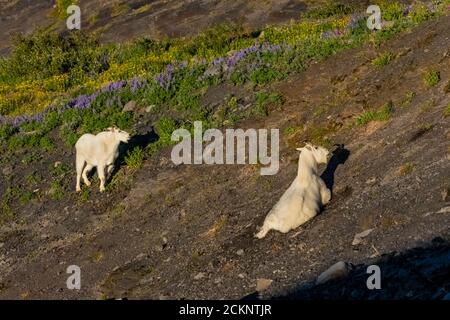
(305, 196)
(99, 151)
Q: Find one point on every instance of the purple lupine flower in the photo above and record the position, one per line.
(218, 61)
(407, 9)
(165, 78)
(81, 102)
(354, 20)
(332, 34)
(431, 6)
(114, 86)
(327, 34)
(135, 84)
(228, 63)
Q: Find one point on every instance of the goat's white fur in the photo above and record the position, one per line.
(305, 196)
(99, 151)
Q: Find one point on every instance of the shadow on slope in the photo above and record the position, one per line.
(340, 156)
(420, 273)
(136, 141)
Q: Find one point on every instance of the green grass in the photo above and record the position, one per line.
(142, 9)
(292, 129)
(383, 59)
(61, 7)
(33, 178)
(331, 8)
(319, 135)
(26, 197)
(408, 99)
(56, 190)
(406, 169)
(421, 13)
(84, 195)
(432, 78)
(6, 212)
(42, 55)
(383, 114)
(164, 127)
(391, 10)
(447, 111)
(119, 8)
(135, 158)
(264, 100)
(37, 140)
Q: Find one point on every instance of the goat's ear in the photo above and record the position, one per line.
(299, 149)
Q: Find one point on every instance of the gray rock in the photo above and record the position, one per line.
(445, 195)
(213, 70)
(199, 276)
(371, 180)
(140, 256)
(240, 252)
(7, 170)
(444, 210)
(150, 108)
(262, 284)
(359, 237)
(336, 271)
(130, 106)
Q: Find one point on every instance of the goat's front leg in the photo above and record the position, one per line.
(80, 166)
(325, 193)
(101, 175)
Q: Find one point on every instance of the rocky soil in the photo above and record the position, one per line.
(124, 20)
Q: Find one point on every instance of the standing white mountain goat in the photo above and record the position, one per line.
(99, 151)
(305, 196)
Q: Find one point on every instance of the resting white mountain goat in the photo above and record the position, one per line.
(305, 196)
(99, 151)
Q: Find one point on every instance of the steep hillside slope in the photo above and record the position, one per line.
(187, 231)
(124, 20)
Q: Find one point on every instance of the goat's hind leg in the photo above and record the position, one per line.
(85, 173)
(79, 166)
(109, 170)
